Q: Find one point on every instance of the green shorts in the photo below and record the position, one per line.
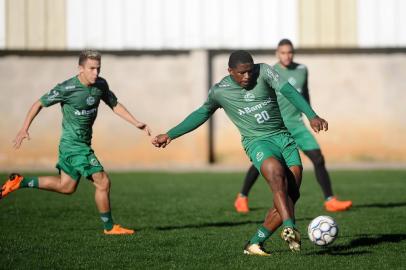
(304, 138)
(280, 146)
(81, 162)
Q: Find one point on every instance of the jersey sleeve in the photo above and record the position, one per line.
(297, 100)
(196, 118)
(108, 96)
(53, 97)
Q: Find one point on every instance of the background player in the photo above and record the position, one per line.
(79, 97)
(248, 96)
(297, 76)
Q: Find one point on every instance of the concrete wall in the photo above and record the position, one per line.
(361, 95)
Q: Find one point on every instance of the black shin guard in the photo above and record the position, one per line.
(293, 188)
(320, 170)
(250, 179)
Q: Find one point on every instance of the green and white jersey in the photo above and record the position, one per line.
(254, 111)
(79, 105)
(296, 74)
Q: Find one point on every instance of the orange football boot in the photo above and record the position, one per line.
(334, 205)
(117, 229)
(241, 204)
(13, 183)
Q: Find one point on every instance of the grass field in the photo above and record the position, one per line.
(187, 221)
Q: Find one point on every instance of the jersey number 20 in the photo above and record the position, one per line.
(262, 117)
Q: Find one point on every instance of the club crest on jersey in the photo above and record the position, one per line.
(260, 156)
(90, 100)
(248, 97)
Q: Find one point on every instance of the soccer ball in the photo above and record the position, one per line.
(322, 230)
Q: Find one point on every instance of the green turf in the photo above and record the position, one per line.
(187, 221)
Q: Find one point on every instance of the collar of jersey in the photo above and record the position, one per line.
(81, 84)
(234, 83)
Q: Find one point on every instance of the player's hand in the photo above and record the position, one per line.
(21, 135)
(162, 140)
(318, 124)
(144, 127)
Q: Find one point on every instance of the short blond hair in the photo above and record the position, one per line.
(89, 54)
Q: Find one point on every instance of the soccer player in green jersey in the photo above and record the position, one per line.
(296, 74)
(79, 97)
(249, 98)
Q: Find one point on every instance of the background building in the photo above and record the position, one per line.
(161, 56)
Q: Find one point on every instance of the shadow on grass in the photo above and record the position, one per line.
(207, 225)
(361, 241)
(381, 205)
(214, 224)
(256, 209)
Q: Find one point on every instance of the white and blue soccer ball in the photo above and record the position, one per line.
(322, 230)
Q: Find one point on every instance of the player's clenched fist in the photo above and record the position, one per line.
(318, 124)
(161, 140)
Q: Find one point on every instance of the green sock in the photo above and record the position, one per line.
(289, 223)
(107, 220)
(261, 235)
(29, 182)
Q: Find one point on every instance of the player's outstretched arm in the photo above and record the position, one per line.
(190, 123)
(161, 140)
(318, 124)
(299, 102)
(23, 133)
(121, 111)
